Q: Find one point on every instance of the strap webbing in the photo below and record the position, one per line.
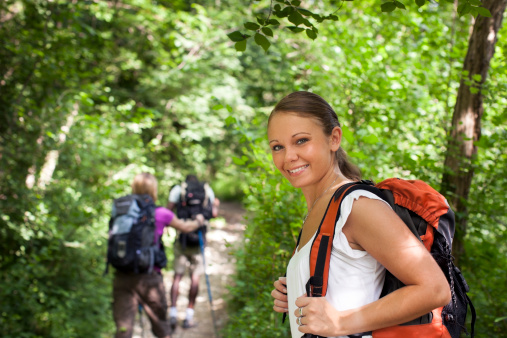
(323, 243)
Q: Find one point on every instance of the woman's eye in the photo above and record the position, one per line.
(302, 140)
(276, 148)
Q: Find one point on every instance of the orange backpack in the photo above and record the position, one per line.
(426, 213)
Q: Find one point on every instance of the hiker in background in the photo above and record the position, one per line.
(133, 286)
(305, 136)
(189, 198)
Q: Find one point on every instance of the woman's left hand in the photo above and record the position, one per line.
(318, 316)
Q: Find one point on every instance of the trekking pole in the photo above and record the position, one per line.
(140, 308)
(201, 244)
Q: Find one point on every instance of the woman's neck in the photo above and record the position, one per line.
(328, 184)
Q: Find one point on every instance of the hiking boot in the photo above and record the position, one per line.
(173, 321)
(187, 324)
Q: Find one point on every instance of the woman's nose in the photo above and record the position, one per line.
(291, 155)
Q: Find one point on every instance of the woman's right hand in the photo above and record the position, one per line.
(188, 225)
(200, 219)
(281, 303)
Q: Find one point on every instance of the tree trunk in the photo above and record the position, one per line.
(466, 119)
(51, 159)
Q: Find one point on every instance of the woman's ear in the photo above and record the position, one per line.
(336, 138)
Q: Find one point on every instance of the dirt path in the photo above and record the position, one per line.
(227, 229)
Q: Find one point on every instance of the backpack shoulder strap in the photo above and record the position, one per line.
(320, 252)
(183, 192)
(205, 203)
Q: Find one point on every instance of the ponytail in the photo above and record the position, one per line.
(348, 169)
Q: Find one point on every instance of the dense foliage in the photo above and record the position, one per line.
(93, 92)
(393, 86)
(300, 19)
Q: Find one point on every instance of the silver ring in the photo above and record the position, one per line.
(300, 312)
(298, 321)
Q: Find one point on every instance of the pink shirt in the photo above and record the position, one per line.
(163, 218)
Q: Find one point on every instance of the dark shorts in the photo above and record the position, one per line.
(190, 258)
(130, 290)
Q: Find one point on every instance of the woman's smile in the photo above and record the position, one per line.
(298, 170)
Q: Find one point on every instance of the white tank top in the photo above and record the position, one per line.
(355, 277)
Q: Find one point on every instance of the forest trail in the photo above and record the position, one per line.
(227, 229)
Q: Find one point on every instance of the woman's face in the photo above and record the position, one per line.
(300, 149)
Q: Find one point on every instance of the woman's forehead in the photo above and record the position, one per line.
(290, 124)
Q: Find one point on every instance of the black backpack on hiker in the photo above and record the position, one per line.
(131, 246)
(428, 216)
(194, 200)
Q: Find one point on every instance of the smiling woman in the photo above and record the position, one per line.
(305, 136)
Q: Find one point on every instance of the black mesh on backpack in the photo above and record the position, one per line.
(194, 201)
(454, 313)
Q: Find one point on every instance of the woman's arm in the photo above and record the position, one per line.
(188, 225)
(374, 227)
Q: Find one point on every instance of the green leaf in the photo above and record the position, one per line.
(474, 90)
(307, 23)
(347, 134)
(267, 31)
(236, 36)
(311, 34)
(262, 41)
(238, 161)
(371, 139)
(477, 3)
(499, 319)
(477, 77)
(464, 9)
(230, 120)
(388, 7)
(399, 5)
(218, 106)
(261, 21)
(251, 26)
(240, 46)
(483, 12)
(296, 29)
(358, 154)
(287, 11)
(317, 17)
(274, 22)
(420, 3)
(305, 12)
(296, 18)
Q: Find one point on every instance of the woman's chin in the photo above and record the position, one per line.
(296, 183)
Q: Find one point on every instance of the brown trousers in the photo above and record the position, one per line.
(130, 290)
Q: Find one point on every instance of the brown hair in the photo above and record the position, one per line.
(311, 105)
(145, 183)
